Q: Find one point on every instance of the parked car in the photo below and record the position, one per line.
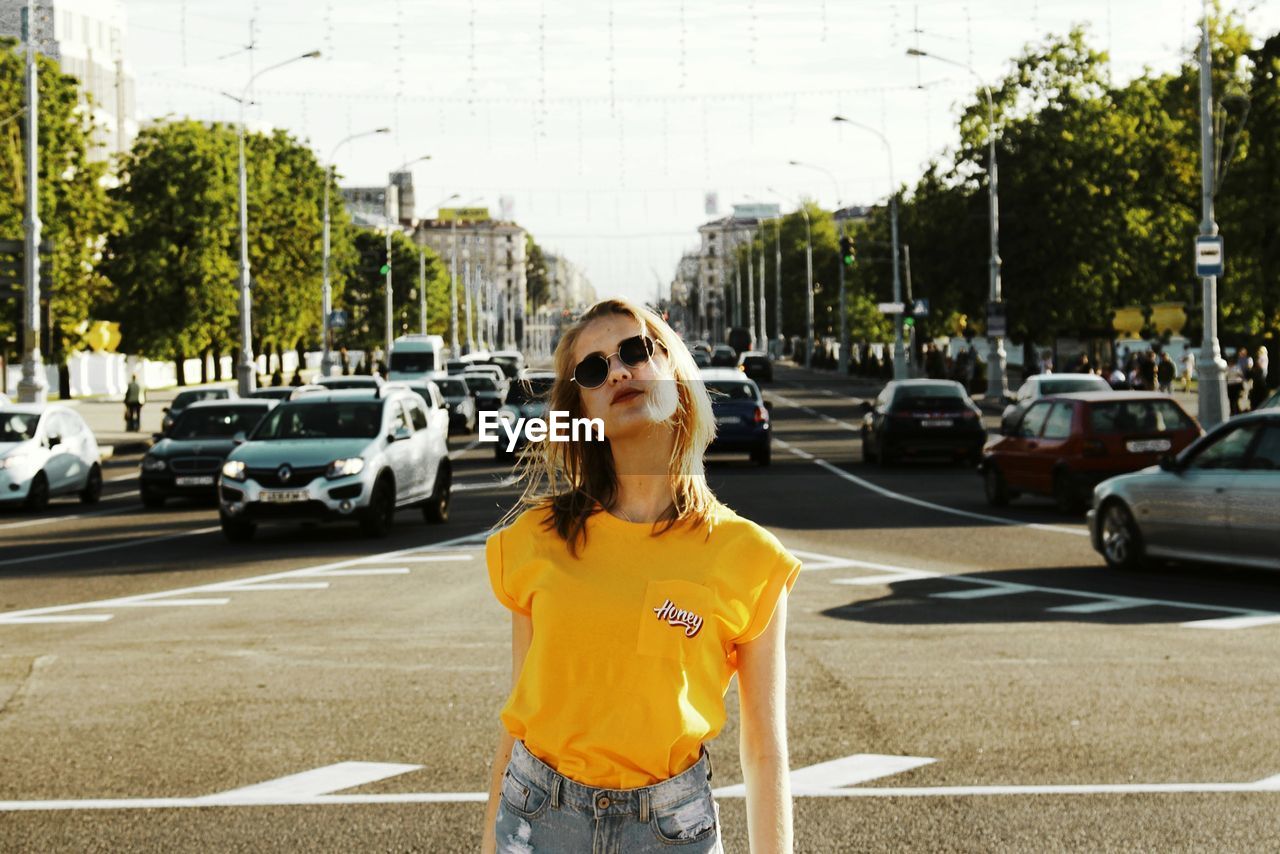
(351, 381)
(343, 455)
(455, 366)
(756, 365)
(742, 415)
(47, 450)
(701, 358)
(922, 418)
(527, 397)
(1215, 502)
(413, 357)
(511, 362)
(188, 397)
(488, 370)
(460, 403)
(275, 392)
(724, 356)
(186, 462)
(488, 394)
(1064, 446)
(1043, 385)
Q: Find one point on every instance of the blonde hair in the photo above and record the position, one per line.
(572, 481)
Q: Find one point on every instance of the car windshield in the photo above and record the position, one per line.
(221, 422)
(186, 398)
(1138, 416)
(451, 388)
(1066, 386)
(721, 390)
(413, 363)
(353, 382)
(17, 426)
(755, 362)
(356, 419)
(480, 382)
(524, 391)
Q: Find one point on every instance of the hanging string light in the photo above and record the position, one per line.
(471, 60)
(751, 44)
(542, 68)
(612, 67)
(182, 29)
(684, 35)
(328, 30)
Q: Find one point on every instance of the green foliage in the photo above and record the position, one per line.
(537, 284)
(365, 296)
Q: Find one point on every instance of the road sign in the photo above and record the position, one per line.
(891, 307)
(338, 319)
(920, 307)
(1209, 255)
(997, 323)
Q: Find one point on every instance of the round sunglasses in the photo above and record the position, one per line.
(593, 370)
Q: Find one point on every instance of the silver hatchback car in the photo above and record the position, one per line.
(1216, 502)
(339, 455)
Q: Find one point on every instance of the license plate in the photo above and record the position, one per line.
(938, 422)
(728, 419)
(202, 480)
(1148, 446)
(284, 496)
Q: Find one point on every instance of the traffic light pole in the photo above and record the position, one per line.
(33, 387)
(1211, 369)
(844, 321)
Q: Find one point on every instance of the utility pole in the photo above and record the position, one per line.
(453, 285)
(1211, 367)
(393, 215)
(34, 386)
(751, 294)
(764, 335)
(422, 289)
(777, 281)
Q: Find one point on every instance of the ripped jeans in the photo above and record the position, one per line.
(543, 811)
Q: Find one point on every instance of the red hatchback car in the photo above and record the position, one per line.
(1065, 445)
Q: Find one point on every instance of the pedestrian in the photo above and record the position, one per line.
(1257, 383)
(1264, 365)
(1164, 373)
(1188, 368)
(635, 597)
(134, 397)
(1147, 367)
(1117, 378)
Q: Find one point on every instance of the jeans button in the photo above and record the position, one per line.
(602, 803)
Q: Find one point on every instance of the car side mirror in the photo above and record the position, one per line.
(1170, 463)
(166, 409)
(768, 405)
(864, 407)
(399, 434)
(239, 438)
(53, 440)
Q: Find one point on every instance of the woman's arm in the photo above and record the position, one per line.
(762, 697)
(521, 635)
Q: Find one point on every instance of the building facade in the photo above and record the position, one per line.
(716, 284)
(569, 286)
(87, 38)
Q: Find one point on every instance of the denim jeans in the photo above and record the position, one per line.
(543, 811)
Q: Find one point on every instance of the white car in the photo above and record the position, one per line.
(47, 450)
(1043, 385)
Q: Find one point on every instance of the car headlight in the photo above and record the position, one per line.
(345, 468)
(150, 463)
(233, 470)
(12, 461)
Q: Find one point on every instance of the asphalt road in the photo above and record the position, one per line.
(964, 679)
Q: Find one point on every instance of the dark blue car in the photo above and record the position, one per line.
(742, 416)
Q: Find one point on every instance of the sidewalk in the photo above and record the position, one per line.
(105, 417)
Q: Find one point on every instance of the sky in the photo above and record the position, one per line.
(606, 123)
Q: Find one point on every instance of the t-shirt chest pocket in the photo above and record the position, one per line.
(675, 619)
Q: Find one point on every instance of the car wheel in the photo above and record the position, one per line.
(38, 494)
(380, 515)
(1121, 541)
(436, 510)
(763, 455)
(237, 530)
(150, 498)
(995, 486)
(1065, 494)
(92, 487)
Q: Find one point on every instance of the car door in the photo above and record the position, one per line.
(61, 454)
(1188, 510)
(400, 451)
(1016, 449)
(1044, 455)
(421, 441)
(75, 437)
(1254, 500)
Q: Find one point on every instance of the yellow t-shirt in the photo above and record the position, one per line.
(634, 640)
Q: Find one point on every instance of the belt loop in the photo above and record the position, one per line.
(708, 753)
(555, 793)
(644, 806)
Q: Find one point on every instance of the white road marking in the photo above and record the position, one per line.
(423, 558)
(471, 486)
(1244, 622)
(50, 520)
(295, 585)
(168, 603)
(983, 592)
(108, 547)
(1119, 603)
(311, 784)
(64, 613)
(455, 454)
(839, 773)
(390, 570)
(121, 477)
(310, 789)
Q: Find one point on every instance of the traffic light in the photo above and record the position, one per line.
(846, 250)
(384, 269)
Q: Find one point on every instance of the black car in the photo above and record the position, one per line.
(488, 394)
(742, 416)
(757, 366)
(187, 460)
(275, 392)
(458, 400)
(528, 397)
(724, 356)
(923, 418)
(188, 397)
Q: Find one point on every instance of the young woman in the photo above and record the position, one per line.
(635, 597)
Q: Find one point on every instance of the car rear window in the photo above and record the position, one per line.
(755, 362)
(721, 390)
(413, 363)
(451, 388)
(355, 419)
(221, 422)
(480, 382)
(937, 398)
(1138, 416)
(1069, 385)
(186, 398)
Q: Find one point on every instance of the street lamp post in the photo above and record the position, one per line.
(900, 367)
(246, 373)
(1211, 368)
(33, 387)
(844, 320)
(326, 359)
(808, 264)
(393, 216)
(453, 277)
(997, 386)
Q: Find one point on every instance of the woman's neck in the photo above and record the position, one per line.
(642, 465)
